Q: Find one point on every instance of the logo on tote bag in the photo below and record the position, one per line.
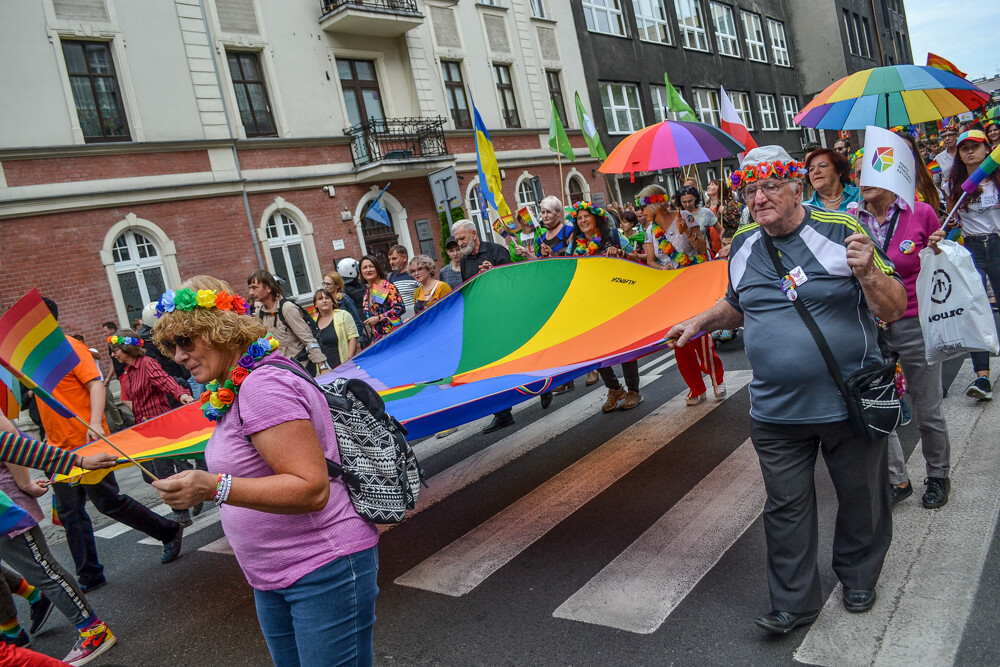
(942, 286)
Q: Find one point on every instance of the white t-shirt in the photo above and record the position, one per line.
(677, 239)
(983, 214)
(946, 161)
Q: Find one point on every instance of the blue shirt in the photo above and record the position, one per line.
(852, 193)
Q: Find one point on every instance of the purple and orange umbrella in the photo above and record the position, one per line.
(670, 144)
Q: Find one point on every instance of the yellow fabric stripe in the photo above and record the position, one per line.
(29, 342)
(749, 227)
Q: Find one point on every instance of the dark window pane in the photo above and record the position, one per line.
(278, 258)
(154, 282)
(86, 107)
(98, 59)
(131, 295)
(300, 277)
(95, 90)
(365, 70)
(75, 62)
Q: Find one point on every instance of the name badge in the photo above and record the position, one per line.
(798, 275)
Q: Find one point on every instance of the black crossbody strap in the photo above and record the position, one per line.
(892, 230)
(807, 318)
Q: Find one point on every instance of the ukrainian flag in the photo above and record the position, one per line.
(489, 171)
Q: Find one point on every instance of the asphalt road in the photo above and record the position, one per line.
(533, 543)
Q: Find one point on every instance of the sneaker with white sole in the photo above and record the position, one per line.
(981, 388)
(92, 643)
(694, 400)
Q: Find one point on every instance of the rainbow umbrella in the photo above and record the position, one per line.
(670, 144)
(890, 96)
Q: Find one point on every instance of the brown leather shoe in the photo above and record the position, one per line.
(593, 377)
(614, 395)
(632, 399)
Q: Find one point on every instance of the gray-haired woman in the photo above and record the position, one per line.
(557, 232)
(431, 289)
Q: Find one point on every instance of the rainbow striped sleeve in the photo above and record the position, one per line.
(24, 451)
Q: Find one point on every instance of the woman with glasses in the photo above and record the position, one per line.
(310, 558)
(338, 335)
(431, 289)
(829, 174)
(383, 305)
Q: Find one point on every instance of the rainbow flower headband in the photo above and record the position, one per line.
(759, 172)
(587, 206)
(641, 202)
(125, 340)
(856, 155)
(187, 299)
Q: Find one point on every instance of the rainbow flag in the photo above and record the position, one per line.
(12, 517)
(934, 167)
(987, 167)
(10, 395)
(34, 349)
(181, 433)
(934, 60)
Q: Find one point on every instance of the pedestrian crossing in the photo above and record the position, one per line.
(926, 591)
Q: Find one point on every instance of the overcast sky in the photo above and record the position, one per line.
(966, 32)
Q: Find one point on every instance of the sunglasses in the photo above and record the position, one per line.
(184, 342)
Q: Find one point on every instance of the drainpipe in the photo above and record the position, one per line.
(229, 127)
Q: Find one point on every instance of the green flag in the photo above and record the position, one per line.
(558, 141)
(676, 103)
(590, 132)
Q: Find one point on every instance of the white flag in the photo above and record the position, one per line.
(888, 163)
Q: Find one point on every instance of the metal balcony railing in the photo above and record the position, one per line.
(378, 139)
(377, 5)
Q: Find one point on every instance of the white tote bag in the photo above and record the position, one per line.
(952, 305)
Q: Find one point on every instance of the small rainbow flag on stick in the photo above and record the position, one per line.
(934, 167)
(934, 60)
(987, 167)
(34, 349)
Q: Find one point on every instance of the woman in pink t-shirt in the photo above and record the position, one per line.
(311, 559)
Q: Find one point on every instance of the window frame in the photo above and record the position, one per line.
(731, 39)
(556, 94)
(506, 95)
(788, 113)
(686, 31)
(745, 111)
(244, 82)
(779, 52)
(658, 94)
(137, 267)
(592, 7)
(284, 241)
(538, 9)
(771, 107)
(646, 22)
(452, 89)
(90, 76)
(750, 31)
(610, 113)
(714, 111)
(852, 43)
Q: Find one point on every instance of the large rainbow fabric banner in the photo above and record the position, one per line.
(516, 330)
(34, 349)
(181, 433)
(12, 517)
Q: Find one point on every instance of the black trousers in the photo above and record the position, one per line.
(863, 530)
(630, 369)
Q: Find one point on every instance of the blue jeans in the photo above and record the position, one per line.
(197, 389)
(324, 618)
(985, 249)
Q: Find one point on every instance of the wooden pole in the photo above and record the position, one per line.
(563, 190)
(611, 190)
(114, 447)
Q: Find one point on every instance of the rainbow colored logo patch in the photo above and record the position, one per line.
(882, 159)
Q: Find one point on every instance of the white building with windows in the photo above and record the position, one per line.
(153, 141)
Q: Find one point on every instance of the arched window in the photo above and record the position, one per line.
(474, 204)
(526, 195)
(284, 242)
(577, 189)
(378, 237)
(138, 265)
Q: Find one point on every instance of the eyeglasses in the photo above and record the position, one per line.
(328, 283)
(769, 188)
(820, 165)
(186, 343)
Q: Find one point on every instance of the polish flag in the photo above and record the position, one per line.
(733, 124)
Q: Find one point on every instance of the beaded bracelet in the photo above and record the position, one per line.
(222, 488)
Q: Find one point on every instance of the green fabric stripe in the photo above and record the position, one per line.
(503, 312)
(44, 348)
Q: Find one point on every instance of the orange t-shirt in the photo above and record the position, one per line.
(72, 392)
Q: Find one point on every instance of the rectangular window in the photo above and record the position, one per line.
(622, 112)
(768, 114)
(651, 18)
(604, 16)
(538, 9)
(691, 24)
(556, 94)
(756, 50)
(454, 88)
(725, 30)
(790, 106)
(92, 79)
(659, 97)
(867, 35)
(251, 94)
(864, 48)
(779, 45)
(741, 102)
(852, 42)
(706, 104)
(505, 91)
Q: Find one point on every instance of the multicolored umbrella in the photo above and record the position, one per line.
(890, 96)
(670, 144)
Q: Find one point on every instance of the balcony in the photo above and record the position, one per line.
(372, 18)
(414, 143)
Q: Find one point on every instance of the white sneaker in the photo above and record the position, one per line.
(694, 400)
(720, 391)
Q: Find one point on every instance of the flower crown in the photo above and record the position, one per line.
(641, 202)
(587, 206)
(187, 299)
(125, 340)
(855, 156)
(776, 169)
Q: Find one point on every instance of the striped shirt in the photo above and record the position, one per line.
(29, 453)
(150, 389)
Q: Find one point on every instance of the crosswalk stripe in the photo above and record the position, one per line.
(219, 546)
(467, 562)
(209, 517)
(932, 571)
(508, 449)
(116, 529)
(639, 589)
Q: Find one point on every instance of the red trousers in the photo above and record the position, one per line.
(12, 656)
(696, 358)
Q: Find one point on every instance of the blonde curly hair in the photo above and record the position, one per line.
(221, 329)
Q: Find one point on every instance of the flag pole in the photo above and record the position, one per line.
(562, 185)
(113, 446)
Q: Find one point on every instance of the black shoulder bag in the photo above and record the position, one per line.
(870, 394)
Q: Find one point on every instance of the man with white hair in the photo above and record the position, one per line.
(845, 281)
(480, 256)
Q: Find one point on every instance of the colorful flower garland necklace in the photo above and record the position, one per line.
(125, 340)
(216, 400)
(584, 247)
(666, 247)
(187, 299)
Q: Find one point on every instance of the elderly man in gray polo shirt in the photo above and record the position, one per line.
(795, 407)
